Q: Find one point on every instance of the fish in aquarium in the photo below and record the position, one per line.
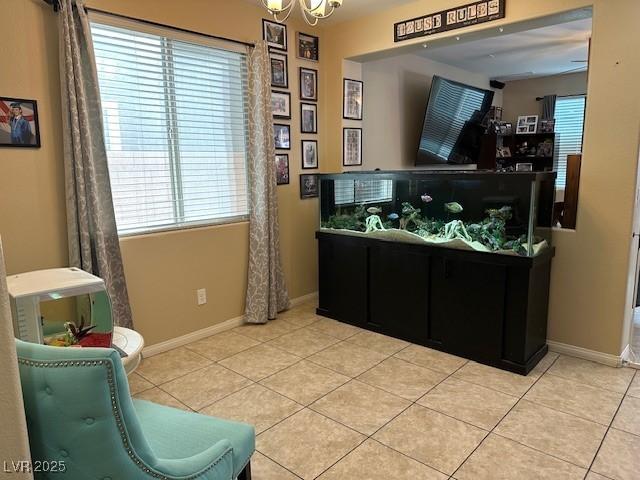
(488, 234)
(453, 207)
(426, 198)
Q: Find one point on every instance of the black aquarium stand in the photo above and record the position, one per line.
(487, 307)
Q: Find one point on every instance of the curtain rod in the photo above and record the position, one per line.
(564, 96)
(53, 3)
(172, 27)
(56, 5)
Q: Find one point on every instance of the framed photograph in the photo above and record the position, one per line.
(282, 169)
(309, 154)
(279, 70)
(282, 135)
(352, 99)
(547, 126)
(308, 84)
(527, 124)
(524, 167)
(275, 34)
(19, 125)
(503, 152)
(351, 147)
(308, 185)
(281, 104)
(308, 118)
(308, 47)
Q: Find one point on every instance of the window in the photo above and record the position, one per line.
(450, 107)
(175, 124)
(569, 116)
(348, 192)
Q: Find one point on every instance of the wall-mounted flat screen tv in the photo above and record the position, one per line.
(452, 131)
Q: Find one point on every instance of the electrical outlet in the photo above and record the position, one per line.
(202, 296)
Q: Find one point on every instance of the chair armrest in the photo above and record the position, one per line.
(214, 463)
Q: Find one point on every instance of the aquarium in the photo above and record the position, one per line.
(508, 213)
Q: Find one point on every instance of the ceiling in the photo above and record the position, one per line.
(351, 9)
(539, 52)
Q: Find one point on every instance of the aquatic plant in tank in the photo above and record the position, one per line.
(488, 234)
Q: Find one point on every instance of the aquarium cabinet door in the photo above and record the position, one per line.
(399, 291)
(343, 273)
(467, 307)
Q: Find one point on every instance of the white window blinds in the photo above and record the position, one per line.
(175, 124)
(362, 191)
(449, 109)
(569, 116)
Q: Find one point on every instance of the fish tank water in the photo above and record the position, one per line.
(507, 213)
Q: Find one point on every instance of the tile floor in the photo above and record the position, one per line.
(334, 402)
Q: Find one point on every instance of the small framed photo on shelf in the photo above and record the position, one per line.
(281, 104)
(527, 124)
(353, 93)
(524, 167)
(308, 118)
(308, 84)
(282, 135)
(282, 168)
(275, 34)
(308, 47)
(351, 147)
(279, 70)
(309, 154)
(503, 152)
(547, 126)
(19, 126)
(308, 185)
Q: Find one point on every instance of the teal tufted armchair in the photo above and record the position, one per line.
(80, 416)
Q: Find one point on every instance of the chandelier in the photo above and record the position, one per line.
(312, 10)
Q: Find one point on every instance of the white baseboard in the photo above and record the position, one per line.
(586, 354)
(167, 345)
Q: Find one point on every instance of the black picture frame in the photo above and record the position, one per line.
(309, 185)
(345, 102)
(307, 47)
(305, 145)
(304, 126)
(282, 169)
(287, 112)
(276, 56)
(308, 92)
(268, 28)
(27, 134)
(345, 142)
(283, 143)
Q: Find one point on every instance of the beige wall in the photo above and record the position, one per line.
(590, 303)
(519, 96)
(397, 90)
(163, 270)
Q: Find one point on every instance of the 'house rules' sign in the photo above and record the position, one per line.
(451, 19)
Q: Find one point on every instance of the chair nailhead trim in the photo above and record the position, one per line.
(116, 412)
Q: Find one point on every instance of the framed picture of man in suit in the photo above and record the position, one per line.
(19, 123)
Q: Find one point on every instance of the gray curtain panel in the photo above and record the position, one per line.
(91, 225)
(548, 107)
(14, 443)
(266, 290)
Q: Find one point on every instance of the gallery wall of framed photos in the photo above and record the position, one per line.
(295, 58)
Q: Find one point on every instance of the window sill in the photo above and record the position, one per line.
(185, 227)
